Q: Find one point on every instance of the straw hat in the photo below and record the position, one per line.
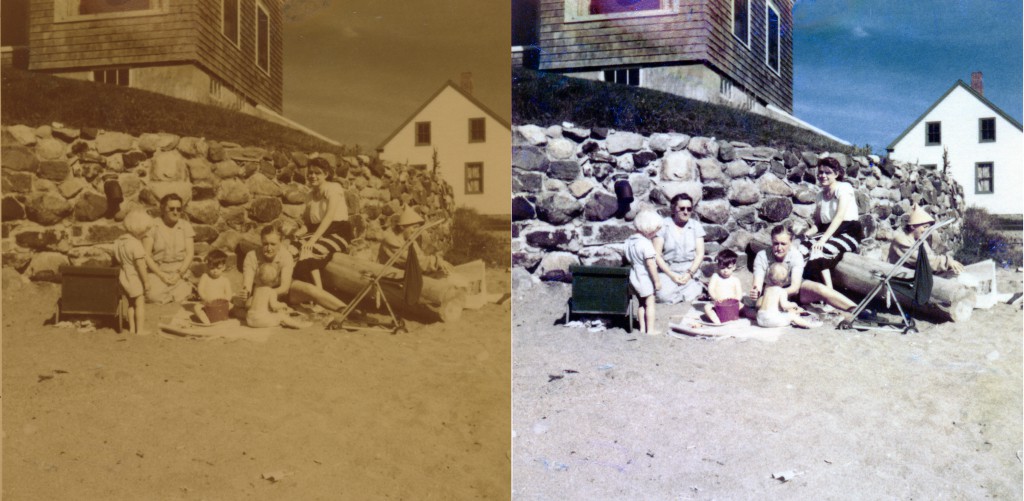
(919, 216)
(409, 216)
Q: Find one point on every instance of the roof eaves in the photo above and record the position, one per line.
(892, 145)
(427, 102)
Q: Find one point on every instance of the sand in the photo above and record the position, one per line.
(323, 414)
(836, 414)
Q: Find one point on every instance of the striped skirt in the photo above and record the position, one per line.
(846, 239)
(335, 239)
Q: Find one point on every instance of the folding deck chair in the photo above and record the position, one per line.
(917, 289)
(411, 283)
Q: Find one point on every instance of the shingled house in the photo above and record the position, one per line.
(224, 52)
(732, 52)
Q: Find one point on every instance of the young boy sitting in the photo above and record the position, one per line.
(214, 289)
(725, 290)
(773, 309)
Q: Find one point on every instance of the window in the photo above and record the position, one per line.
(477, 130)
(422, 133)
(930, 166)
(474, 178)
(628, 76)
(262, 38)
(983, 178)
(86, 7)
(741, 21)
(725, 87)
(115, 76)
(986, 130)
(932, 133)
(229, 19)
(772, 49)
(592, 10)
(76, 10)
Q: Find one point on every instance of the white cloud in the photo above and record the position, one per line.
(859, 32)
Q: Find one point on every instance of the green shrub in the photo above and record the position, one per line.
(36, 99)
(546, 98)
(473, 240)
(981, 241)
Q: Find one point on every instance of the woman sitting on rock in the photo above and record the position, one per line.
(171, 244)
(326, 218)
(679, 246)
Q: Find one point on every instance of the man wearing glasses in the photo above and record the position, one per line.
(171, 244)
(679, 251)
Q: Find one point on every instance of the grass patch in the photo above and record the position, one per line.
(982, 241)
(36, 99)
(473, 240)
(547, 98)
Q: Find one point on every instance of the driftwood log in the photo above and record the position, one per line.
(345, 276)
(950, 300)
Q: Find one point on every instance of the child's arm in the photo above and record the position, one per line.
(715, 289)
(276, 305)
(788, 305)
(652, 270)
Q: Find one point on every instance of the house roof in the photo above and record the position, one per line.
(959, 83)
(465, 94)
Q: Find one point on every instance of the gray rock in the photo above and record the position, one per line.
(90, 206)
(227, 169)
(50, 149)
(758, 154)
(265, 209)
(863, 202)
(522, 280)
(703, 146)
(529, 158)
(526, 259)
(233, 192)
(54, 170)
(566, 170)
(580, 187)
(15, 182)
(66, 134)
(39, 238)
(661, 142)
(18, 158)
(550, 238)
(113, 142)
(524, 181)
(23, 134)
(642, 159)
(777, 168)
(715, 233)
(555, 266)
(522, 209)
(601, 256)
(737, 168)
(759, 168)
(771, 185)
(776, 209)
(868, 224)
(714, 211)
(843, 160)
(806, 194)
(744, 192)
(599, 132)
(91, 256)
(260, 185)
(726, 151)
(810, 158)
(561, 149)
(641, 184)
(168, 166)
(714, 191)
(601, 206)
(203, 211)
(193, 147)
(532, 134)
(679, 166)
(601, 171)
(611, 232)
(47, 208)
(45, 266)
(623, 142)
(805, 211)
(11, 210)
(553, 132)
(738, 240)
(577, 134)
(558, 208)
(790, 160)
(710, 169)
(150, 143)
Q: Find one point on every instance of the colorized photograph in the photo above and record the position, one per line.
(766, 249)
(255, 249)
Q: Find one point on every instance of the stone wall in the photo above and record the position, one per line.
(565, 210)
(65, 191)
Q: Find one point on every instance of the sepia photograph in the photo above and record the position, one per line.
(255, 249)
(766, 249)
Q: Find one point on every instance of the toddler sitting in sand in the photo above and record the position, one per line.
(643, 274)
(725, 290)
(214, 289)
(773, 309)
(264, 310)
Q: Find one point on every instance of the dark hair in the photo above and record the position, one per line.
(681, 196)
(780, 229)
(321, 166)
(168, 197)
(833, 164)
(271, 228)
(216, 258)
(725, 258)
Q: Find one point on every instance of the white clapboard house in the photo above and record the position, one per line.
(983, 143)
(472, 144)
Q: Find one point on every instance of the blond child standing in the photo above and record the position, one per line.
(643, 274)
(214, 289)
(773, 309)
(131, 255)
(264, 310)
(725, 290)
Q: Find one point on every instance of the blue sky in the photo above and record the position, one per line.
(865, 70)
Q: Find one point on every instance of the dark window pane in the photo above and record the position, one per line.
(933, 131)
(988, 129)
(616, 6)
(422, 133)
(231, 19)
(740, 19)
(474, 178)
(109, 6)
(262, 39)
(477, 130)
(773, 39)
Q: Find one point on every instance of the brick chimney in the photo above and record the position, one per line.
(976, 83)
(466, 82)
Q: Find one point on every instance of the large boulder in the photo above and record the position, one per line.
(199, 169)
(39, 238)
(737, 168)
(776, 209)
(744, 192)
(23, 134)
(233, 192)
(193, 147)
(581, 187)
(703, 146)
(710, 169)
(265, 209)
(72, 187)
(260, 185)
(18, 158)
(90, 206)
(227, 169)
(601, 256)
(522, 209)
(149, 143)
(91, 256)
(561, 149)
(771, 185)
(168, 166)
(113, 142)
(601, 206)
(558, 208)
(726, 151)
(529, 158)
(45, 266)
(554, 266)
(663, 193)
(566, 170)
(611, 232)
(532, 134)
(11, 210)
(14, 181)
(551, 238)
(47, 208)
(679, 166)
(714, 211)
(50, 149)
(624, 142)
(203, 211)
(54, 170)
(668, 142)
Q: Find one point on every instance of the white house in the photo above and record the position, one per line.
(984, 145)
(473, 147)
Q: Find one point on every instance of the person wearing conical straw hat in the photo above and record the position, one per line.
(404, 225)
(918, 223)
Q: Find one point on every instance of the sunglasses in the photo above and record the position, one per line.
(174, 209)
(684, 209)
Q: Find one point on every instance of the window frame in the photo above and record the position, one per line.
(65, 11)
(981, 130)
(639, 76)
(991, 178)
(256, 36)
(237, 40)
(745, 42)
(117, 76)
(770, 6)
(483, 130)
(416, 134)
(480, 178)
(928, 134)
(577, 11)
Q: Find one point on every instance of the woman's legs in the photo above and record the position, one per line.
(812, 292)
(301, 292)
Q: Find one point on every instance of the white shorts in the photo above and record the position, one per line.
(773, 319)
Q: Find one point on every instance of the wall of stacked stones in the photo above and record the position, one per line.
(65, 192)
(565, 210)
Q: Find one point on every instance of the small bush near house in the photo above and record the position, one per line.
(474, 236)
(981, 241)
